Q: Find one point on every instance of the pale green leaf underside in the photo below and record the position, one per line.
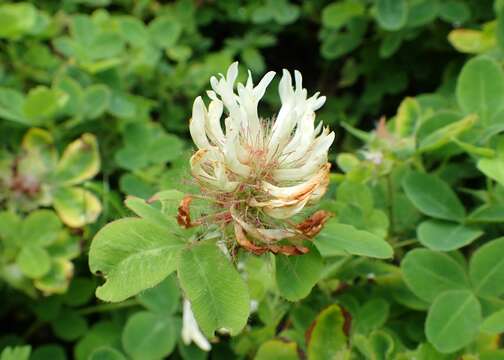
(218, 295)
(133, 254)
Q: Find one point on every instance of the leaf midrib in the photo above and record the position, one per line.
(454, 316)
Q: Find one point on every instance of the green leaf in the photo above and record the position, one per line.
(471, 41)
(377, 345)
(455, 12)
(297, 275)
(135, 185)
(106, 353)
(45, 352)
(355, 194)
(83, 29)
(453, 312)
(474, 150)
(382, 344)
(447, 133)
(151, 214)
(391, 14)
(372, 315)
(69, 325)
(428, 273)
(57, 279)
(146, 145)
(494, 324)
(480, 87)
(328, 339)
(75, 206)
(103, 50)
(16, 353)
(426, 351)
(253, 59)
(338, 43)
(407, 118)
(41, 227)
(164, 298)
(422, 12)
(133, 255)
(103, 333)
(446, 236)
(11, 105)
(9, 227)
(337, 14)
(80, 292)
(337, 239)
(390, 44)
(218, 295)
(41, 156)
(74, 92)
(133, 30)
(42, 103)
(277, 350)
(96, 100)
(492, 213)
(17, 19)
(149, 336)
(499, 29)
(80, 161)
(487, 268)
(493, 168)
(164, 31)
(432, 196)
(34, 261)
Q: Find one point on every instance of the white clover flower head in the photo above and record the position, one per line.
(190, 329)
(262, 170)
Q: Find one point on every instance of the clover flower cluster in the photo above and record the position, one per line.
(262, 172)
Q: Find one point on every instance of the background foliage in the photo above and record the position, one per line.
(95, 97)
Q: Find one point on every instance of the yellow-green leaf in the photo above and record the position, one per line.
(471, 41)
(34, 261)
(277, 350)
(80, 161)
(75, 206)
(328, 339)
(58, 278)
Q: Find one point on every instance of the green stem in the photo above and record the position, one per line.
(390, 205)
(403, 243)
(107, 307)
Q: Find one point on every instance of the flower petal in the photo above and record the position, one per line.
(190, 329)
(197, 124)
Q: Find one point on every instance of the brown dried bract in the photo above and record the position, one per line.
(245, 243)
(184, 214)
(314, 224)
(288, 250)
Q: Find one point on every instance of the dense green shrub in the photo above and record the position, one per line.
(95, 100)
